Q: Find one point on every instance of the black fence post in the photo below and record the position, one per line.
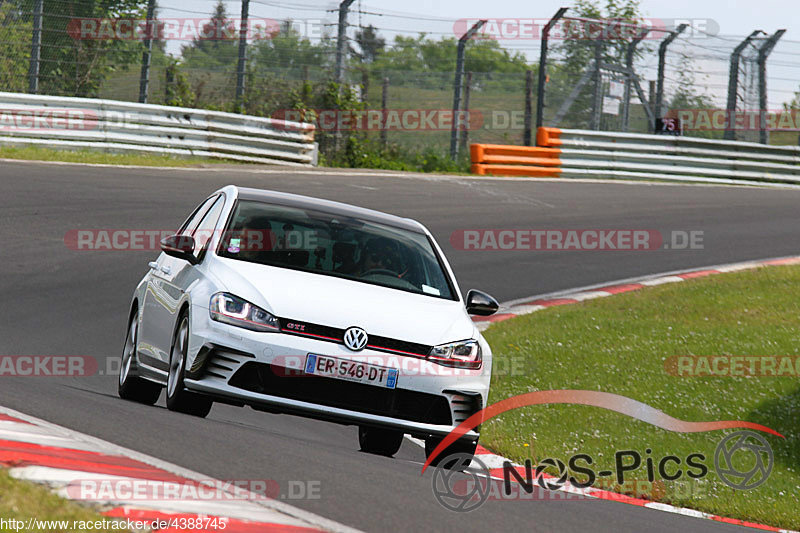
(597, 100)
(36, 47)
(733, 87)
(151, 26)
(462, 44)
(629, 56)
(242, 63)
(384, 100)
(662, 61)
(341, 34)
(526, 136)
(763, 52)
(540, 90)
(465, 126)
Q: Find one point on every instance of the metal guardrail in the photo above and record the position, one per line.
(113, 126)
(580, 154)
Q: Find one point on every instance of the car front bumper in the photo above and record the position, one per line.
(264, 370)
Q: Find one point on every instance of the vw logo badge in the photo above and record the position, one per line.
(355, 339)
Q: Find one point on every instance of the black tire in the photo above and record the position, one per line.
(462, 446)
(178, 398)
(379, 441)
(129, 386)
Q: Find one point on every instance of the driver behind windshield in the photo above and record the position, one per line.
(381, 256)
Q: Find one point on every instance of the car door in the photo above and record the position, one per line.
(162, 298)
(186, 274)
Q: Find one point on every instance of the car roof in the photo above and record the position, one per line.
(329, 207)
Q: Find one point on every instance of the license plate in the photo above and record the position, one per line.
(333, 367)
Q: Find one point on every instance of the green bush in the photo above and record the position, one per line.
(360, 152)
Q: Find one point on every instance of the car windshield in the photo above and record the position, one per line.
(328, 244)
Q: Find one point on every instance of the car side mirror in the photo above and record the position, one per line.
(480, 303)
(180, 246)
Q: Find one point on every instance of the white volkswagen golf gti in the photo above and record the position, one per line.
(298, 305)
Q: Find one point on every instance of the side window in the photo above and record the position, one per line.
(192, 222)
(205, 229)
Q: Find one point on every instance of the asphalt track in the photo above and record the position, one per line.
(60, 301)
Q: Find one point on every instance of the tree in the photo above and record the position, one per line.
(177, 90)
(486, 55)
(370, 45)
(210, 61)
(15, 32)
(287, 49)
(419, 54)
(687, 96)
(77, 65)
(578, 49)
(403, 55)
(277, 62)
(793, 104)
(218, 50)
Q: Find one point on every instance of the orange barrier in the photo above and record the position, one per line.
(514, 160)
(506, 160)
(481, 151)
(548, 137)
(514, 170)
(585, 154)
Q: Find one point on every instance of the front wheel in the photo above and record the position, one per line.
(179, 399)
(460, 447)
(379, 441)
(129, 386)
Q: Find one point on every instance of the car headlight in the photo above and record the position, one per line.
(463, 354)
(233, 310)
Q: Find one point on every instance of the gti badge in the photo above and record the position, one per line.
(355, 339)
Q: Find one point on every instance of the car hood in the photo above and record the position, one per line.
(342, 303)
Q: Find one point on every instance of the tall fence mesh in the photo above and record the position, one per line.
(95, 49)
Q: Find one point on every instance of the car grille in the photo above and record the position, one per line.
(292, 384)
(331, 334)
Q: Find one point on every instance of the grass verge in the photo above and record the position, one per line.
(620, 344)
(23, 500)
(36, 153)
